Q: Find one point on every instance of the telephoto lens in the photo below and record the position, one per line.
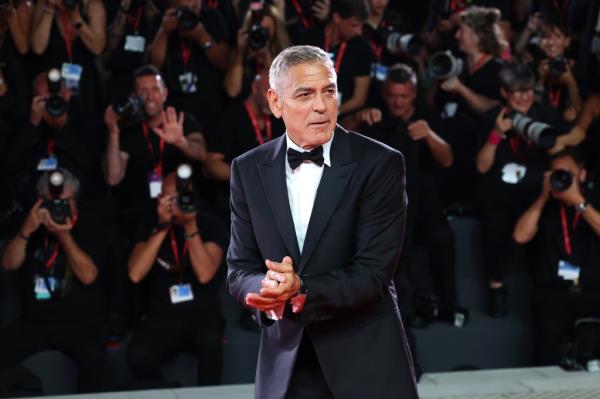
(540, 133)
(186, 200)
(55, 103)
(444, 65)
(407, 43)
(560, 180)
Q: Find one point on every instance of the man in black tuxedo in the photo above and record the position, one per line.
(317, 223)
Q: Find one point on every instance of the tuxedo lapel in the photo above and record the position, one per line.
(272, 177)
(331, 188)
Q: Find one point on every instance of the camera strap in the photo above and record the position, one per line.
(554, 93)
(51, 145)
(161, 149)
(480, 63)
(259, 135)
(69, 34)
(340, 54)
(134, 21)
(186, 54)
(565, 228)
(212, 4)
(175, 250)
(305, 22)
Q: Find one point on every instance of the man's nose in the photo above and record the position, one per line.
(319, 104)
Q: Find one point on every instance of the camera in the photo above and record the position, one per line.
(557, 66)
(258, 35)
(56, 105)
(131, 110)
(542, 134)
(186, 19)
(444, 65)
(403, 43)
(58, 207)
(186, 200)
(71, 4)
(561, 180)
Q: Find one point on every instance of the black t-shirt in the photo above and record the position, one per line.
(160, 279)
(549, 245)
(516, 150)
(236, 133)
(484, 81)
(14, 104)
(72, 300)
(134, 192)
(356, 59)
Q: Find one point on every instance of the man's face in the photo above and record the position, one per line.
(308, 104)
(154, 93)
(554, 43)
(377, 7)
(399, 98)
(519, 100)
(468, 42)
(194, 5)
(348, 27)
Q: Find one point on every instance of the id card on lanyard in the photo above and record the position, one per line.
(135, 43)
(260, 138)
(188, 79)
(71, 72)
(154, 176)
(179, 292)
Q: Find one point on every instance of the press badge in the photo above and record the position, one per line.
(71, 74)
(568, 271)
(379, 72)
(135, 43)
(47, 164)
(188, 82)
(512, 173)
(181, 293)
(154, 184)
(40, 289)
(449, 109)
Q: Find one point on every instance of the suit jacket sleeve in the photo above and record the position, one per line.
(378, 241)
(245, 265)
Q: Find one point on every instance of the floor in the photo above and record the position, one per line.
(523, 383)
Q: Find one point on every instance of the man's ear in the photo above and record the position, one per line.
(582, 175)
(275, 103)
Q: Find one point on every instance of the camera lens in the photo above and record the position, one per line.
(186, 19)
(444, 65)
(561, 180)
(258, 37)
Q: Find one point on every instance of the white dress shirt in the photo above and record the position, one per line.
(302, 184)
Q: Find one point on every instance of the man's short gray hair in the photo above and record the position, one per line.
(297, 55)
(43, 185)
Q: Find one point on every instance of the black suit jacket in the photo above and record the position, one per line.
(350, 253)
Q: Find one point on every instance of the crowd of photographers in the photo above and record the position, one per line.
(119, 120)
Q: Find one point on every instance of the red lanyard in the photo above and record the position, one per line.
(554, 92)
(565, 228)
(480, 62)
(175, 250)
(300, 13)
(212, 4)
(161, 147)
(340, 54)
(259, 136)
(186, 54)
(52, 259)
(377, 49)
(50, 147)
(515, 143)
(69, 34)
(134, 22)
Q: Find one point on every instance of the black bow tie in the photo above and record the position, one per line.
(295, 158)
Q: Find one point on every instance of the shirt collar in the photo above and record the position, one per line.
(326, 148)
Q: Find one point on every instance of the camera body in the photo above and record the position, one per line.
(561, 180)
(58, 208)
(258, 35)
(444, 65)
(186, 19)
(56, 105)
(71, 4)
(131, 110)
(186, 199)
(557, 66)
(542, 134)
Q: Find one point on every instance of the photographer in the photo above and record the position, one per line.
(349, 51)
(53, 138)
(58, 254)
(563, 226)
(69, 34)
(177, 255)
(555, 72)
(139, 156)
(413, 128)
(128, 37)
(511, 163)
(259, 40)
(191, 50)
